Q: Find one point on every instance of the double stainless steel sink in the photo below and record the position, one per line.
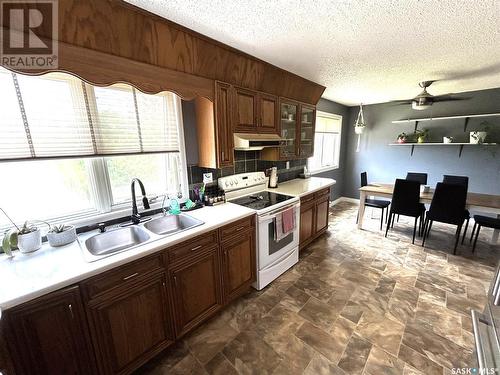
(120, 239)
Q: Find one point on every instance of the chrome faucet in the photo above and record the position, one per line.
(135, 217)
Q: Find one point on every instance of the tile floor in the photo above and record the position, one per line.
(356, 303)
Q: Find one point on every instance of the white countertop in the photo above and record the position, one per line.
(300, 187)
(25, 277)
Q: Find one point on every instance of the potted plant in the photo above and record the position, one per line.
(60, 235)
(28, 239)
(402, 138)
(479, 136)
(421, 135)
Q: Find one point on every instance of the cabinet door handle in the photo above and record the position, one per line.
(130, 276)
(70, 308)
(196, 248)
(175, 280)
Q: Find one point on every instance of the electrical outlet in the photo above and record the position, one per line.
(287, 165)
(207, 178)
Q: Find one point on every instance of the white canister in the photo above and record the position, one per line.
(29, 242)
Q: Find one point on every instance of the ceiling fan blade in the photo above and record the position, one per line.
(448, 98)
(404, 101)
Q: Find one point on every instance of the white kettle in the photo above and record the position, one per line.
(273, 177)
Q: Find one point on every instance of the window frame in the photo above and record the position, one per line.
(337, 151)
(99, 181)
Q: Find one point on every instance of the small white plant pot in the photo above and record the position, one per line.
(29, 242)
(447, 139)
(358, 129)
(63, 238)
(477, 137)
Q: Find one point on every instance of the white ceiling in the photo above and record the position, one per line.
(368, 51)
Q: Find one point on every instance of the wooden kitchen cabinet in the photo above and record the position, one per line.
(131, 324)
(305, 138)
(238, 260)
(314, 210)
(245, 110)
(49, 335)
(196, 284)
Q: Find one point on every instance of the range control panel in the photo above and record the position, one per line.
(242, 180)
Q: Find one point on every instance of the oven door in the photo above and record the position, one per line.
(271, 250)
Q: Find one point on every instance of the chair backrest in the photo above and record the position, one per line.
(448, 203)
(406, 197)
(456, 180)
(364, 179)
(419, 177)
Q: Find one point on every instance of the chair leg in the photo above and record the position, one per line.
(398, 218)
(429, 228)
(382, 219)
(386, 214)
(475, 239)
(457, 235)
(473, 230)
(465, 231)
(426, 222)
(414, 231)
(388, 223)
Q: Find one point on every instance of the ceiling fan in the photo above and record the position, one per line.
(424, 100)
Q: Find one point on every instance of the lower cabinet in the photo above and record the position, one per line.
(196, 288)
(314, 209)
(238, 259)
(49, 335)
(131, 324)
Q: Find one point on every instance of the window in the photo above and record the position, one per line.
(326, 143)
(112, 135)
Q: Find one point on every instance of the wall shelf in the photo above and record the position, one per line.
(461, 145)
(465, 117)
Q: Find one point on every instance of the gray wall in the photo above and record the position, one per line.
(337, 174)
(385, 163)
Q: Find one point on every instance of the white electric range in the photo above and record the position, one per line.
(273, 257)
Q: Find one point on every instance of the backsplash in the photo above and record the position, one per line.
(247, 161)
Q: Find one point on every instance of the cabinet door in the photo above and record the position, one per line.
(288, 121)
(197, 290)
(268, 114)
(306, 131)
(50, 335)
(131, 324)
(224, 131)
(239, 264)
(322, 213)
(245, 110)
(307, 215)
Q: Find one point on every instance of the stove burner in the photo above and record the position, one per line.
(261, 200)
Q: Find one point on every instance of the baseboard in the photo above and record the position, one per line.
(344, 199)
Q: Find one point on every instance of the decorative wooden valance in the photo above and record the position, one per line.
(107, 41)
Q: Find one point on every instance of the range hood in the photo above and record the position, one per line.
(252, 141)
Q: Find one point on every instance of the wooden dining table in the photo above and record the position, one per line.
(484, 203)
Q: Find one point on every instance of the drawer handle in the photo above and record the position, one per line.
(240, 228)
(196, 248)
(130, 276)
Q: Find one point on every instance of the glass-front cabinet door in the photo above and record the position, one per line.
(306, 130)
(288, 117)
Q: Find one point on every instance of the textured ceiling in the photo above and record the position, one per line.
(366, 51)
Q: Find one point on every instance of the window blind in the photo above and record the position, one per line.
(328, 124)
(57, 115)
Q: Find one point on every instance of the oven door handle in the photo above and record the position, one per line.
(277, 211)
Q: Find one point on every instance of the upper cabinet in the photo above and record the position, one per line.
(268, 114)
(255, 112)
(297, 123)
(223, 124)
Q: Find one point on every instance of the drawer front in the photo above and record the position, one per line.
(322, 193)
(190, 247)
(306, 198)
(116, 277)
(237, 227)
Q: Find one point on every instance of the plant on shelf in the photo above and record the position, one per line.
(60, 235)
(402, 138)
(478, 137)
(421, 135)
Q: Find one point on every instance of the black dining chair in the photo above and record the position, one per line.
(462, 181)
(406, 202)
(374, 203)
(447, 206)
(483, 221)
(419, 177)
